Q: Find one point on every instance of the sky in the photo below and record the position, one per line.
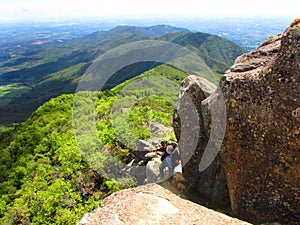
(38, 10)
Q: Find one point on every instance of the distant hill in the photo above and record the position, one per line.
(125, 34)
(218, 53)
(42, 72)
(152, 31)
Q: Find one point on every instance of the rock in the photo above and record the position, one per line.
(152, 204)
(139, 173)
(143, 147)
(152, 170)
(146, 154)
(150, 155)
(143, 167)
(258, 161)
(261, 148)
(158, 130)
(178, 182)
(155, 143)
(192, 130)
(193, 90)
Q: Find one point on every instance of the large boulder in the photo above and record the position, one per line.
(262, 141)
(260, 153)
(191, 125)
(152, 204)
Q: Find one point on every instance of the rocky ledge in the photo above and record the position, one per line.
(153, 204)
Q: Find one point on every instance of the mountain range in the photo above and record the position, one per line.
(38, 72)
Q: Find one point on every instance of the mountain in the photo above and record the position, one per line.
(37, 73)
(218, 53)
(152, 31)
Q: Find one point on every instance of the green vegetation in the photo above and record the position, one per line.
(10, 92)
(218, 53)
(54, 167)
(46, 177)
(32, 74)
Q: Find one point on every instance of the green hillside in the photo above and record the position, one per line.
(42, 72)
(218, 53)
(45, 177)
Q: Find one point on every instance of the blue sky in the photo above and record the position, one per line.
(37, 10)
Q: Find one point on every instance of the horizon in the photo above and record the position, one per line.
(34, 11)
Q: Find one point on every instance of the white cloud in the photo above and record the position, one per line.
(52, 9)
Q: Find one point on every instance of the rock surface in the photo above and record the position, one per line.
(151, 204)
(262, 142)
(260, 154)
(192, 131)
(144, 168)
(143, 148)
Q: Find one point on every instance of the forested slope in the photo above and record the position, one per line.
(45, 178)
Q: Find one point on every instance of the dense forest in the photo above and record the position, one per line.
(45, 175)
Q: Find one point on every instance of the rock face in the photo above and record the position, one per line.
(259, 159)
(192, 131)
(152, 204)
